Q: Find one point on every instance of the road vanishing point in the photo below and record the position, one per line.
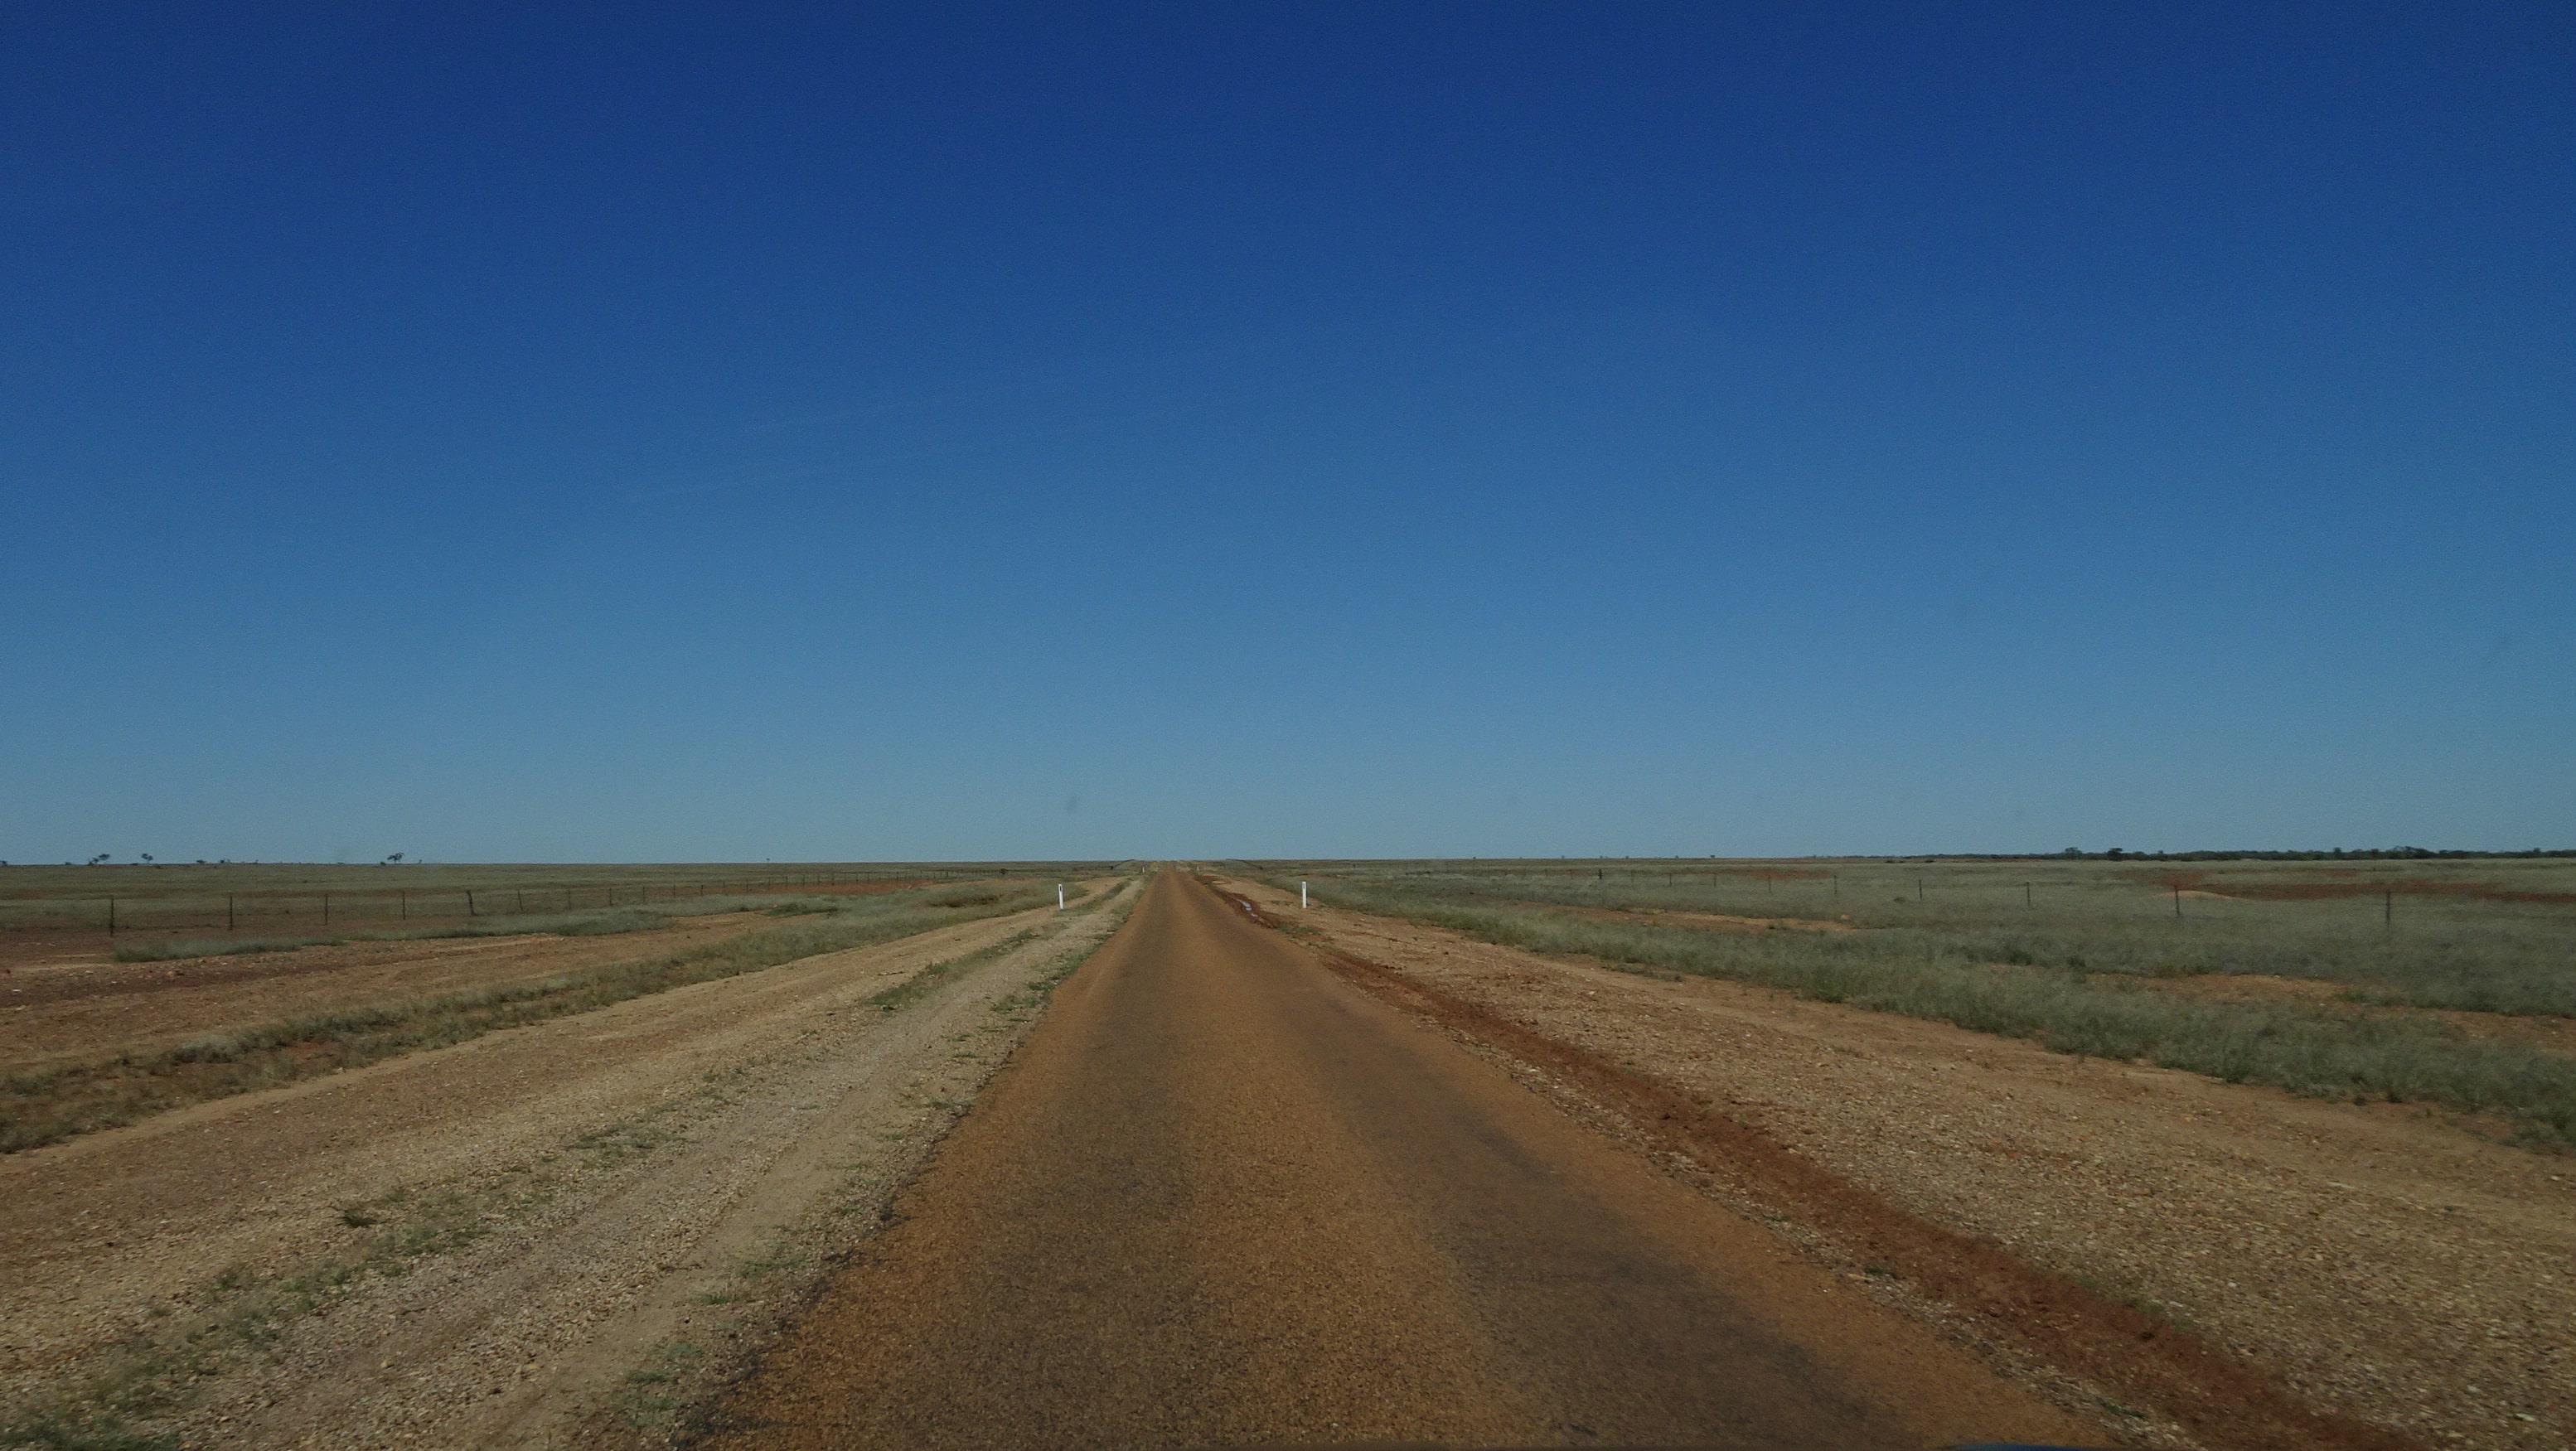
(1222, 1197)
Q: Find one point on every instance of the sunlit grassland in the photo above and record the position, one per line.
(46, 1106)
(2065, 954)
(309, 900)
(606, 922)
(2428, 943)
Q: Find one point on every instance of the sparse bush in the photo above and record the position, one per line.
(1973, 979)
(2447, 950)
(602, 923)
(48, 1105)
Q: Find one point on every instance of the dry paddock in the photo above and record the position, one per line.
(2389, 1264)
(79, 1006)
(540, 1233)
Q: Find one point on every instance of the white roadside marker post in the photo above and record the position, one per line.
(1059, 896)
(1301, 896)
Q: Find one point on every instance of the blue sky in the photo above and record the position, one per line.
(621, 433)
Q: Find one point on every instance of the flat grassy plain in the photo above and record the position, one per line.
(47, 904)
(348, 1017)
(519, 1226)
(2339, 980)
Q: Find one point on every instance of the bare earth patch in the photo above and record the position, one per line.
(1721, 921)
(2380, 1264)
(89, 1007)
(567, 1230)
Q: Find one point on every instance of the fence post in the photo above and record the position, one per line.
(469, 902)
(228, 911)
(2177, 904)
(402, 902)
(2025, 894)
(326, 909)
(111, 916)
(2387, 911)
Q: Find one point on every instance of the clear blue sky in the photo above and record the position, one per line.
(621, 433)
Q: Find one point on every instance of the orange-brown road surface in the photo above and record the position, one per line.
(1223, 1198)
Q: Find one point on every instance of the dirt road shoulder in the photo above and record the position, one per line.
(2375, 1265)
(548, 1232)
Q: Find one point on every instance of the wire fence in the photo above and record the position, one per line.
(300, 909)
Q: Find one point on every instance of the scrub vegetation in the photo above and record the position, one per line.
(2089, 958)
(600, 922)
(299, 903)
(579, 924)
(48, 1105)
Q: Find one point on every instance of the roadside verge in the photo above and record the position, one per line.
(564, 1227)
(2219, 1264)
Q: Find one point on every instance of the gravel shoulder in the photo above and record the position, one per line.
(2378, 1262)
(545, 1235)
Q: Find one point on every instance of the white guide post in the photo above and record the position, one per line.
(1059, 896)
(1301, 896)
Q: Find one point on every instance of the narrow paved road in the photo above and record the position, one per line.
(1224, 1198)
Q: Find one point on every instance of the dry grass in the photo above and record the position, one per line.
(2074, 985)
(245, 1310)
(50, 1105)
(2483, 936)
(584, 924)
(313, 899)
